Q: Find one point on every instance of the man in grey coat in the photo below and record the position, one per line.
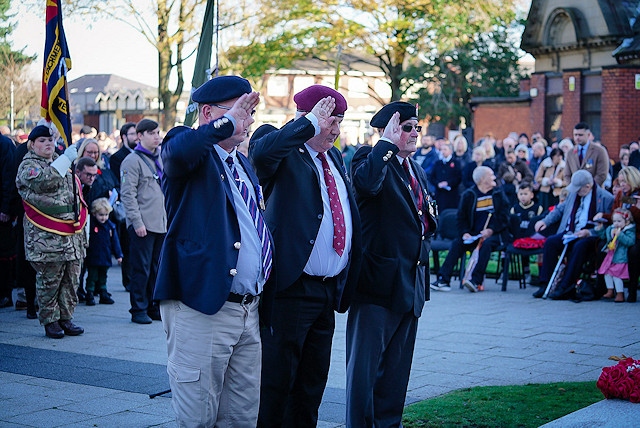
(575, 217)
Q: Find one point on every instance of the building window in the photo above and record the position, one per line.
(553, 118)
(592, 103)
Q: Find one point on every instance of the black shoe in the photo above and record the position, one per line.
(105, 298)
(154, 315)
(53, 330)
(538, 294)
(81, 295)
(70, 329)
(632, 297)
(89, 300)
(141, 318)
(6, 302)
(32, 314)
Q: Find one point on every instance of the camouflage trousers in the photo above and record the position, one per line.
(56, 284)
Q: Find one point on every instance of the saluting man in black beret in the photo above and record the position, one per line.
(397, 221)
(216, 257)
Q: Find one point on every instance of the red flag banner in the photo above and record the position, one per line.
(55, 95)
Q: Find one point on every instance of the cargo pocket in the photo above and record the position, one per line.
(186, 388)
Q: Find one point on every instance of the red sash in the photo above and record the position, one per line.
(55, 225)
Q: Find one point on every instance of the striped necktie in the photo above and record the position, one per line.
(258, 220)
(417, 194)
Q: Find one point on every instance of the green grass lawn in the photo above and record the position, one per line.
(502, 406)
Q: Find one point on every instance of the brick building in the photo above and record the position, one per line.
(587, 69)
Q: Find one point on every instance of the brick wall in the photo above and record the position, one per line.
(502, 118)
(538, 107)
(571, 102)
(620, 107)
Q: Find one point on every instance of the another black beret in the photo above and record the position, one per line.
(261, 132)
(221, 88)
(40, 131)
(383, 116)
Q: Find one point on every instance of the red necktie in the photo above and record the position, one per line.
(417, 193)
(339, 232)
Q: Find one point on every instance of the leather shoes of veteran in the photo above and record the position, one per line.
(70, 329)
(53, 330)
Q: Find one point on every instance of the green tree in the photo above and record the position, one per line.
(484, 66)
(12, 69)
(394, 32)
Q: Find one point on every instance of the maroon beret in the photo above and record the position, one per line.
(307, 98)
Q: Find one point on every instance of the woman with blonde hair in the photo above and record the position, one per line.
(461, 150)
(105, 180)
(549, 175)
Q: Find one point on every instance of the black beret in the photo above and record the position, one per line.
(307, 98)
(261, 132)
(221, 88)
(40, 131)
(383, 116)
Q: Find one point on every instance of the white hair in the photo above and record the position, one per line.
(479, 173)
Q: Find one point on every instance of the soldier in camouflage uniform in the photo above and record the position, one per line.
(54, 232)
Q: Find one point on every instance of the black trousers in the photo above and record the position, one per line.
(296, 353)
(145, 254)
(577, 254)
(633, 255)
(125, 266)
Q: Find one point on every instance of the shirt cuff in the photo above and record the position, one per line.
(314, 121)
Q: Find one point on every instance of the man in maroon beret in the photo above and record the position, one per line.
(312, 214)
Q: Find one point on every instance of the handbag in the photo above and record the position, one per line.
(119, 213)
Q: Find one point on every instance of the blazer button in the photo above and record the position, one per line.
(418, 264)
(319, 216)
(312, 242)
(237, 245)
(233, 272)
(423, 238)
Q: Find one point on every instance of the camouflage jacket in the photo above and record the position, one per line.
(41, 185)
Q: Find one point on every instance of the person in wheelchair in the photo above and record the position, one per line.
(574, 218)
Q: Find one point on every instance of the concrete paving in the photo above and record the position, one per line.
(103, 378)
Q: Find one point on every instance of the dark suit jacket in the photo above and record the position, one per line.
(394, 247)
(198, 258)
(294, 207)
(116, 160)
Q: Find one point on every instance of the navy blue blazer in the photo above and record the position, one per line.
(392, 237)
(294, 206)
(199, 258)
(103, 242)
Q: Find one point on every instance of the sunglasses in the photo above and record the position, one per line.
(409, 128)
(229, 108)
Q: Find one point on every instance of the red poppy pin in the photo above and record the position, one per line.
(451, 165)
(95, 229)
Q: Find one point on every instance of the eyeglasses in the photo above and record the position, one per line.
(229, 108)
(409, 128)
(89, 175)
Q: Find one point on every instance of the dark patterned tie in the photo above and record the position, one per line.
(339, 232)
(258, 220)
(417, 193)
(580, 155)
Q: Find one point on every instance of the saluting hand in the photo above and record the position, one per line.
(393, 131)
(322, 111)
(242, 110)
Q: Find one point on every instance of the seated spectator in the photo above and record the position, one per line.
(446, 176)
(550, 178)
(522, 153)
(522, 215)
(628, 187)
(620, 236)
(483, 210)
(478, 157)
(515, 168)
(574, 216)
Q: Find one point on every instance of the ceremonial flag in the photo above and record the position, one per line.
(55, 95)
(202, 69)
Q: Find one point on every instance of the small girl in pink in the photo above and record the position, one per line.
(619, 236)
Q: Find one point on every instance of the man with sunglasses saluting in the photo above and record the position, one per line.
(397, 222)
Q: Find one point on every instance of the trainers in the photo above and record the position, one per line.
(470, 286)
(141, 318)
(440, 286)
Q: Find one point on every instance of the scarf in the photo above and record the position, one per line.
(154, 157)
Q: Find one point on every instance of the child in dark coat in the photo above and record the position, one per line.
(103, 243)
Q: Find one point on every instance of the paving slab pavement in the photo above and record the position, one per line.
(103, 378)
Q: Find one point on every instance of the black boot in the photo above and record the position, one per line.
(105, 298)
